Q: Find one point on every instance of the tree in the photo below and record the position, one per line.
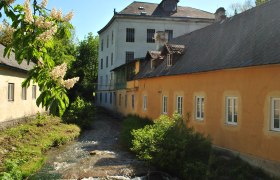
(237, 8)
(34, 33)
(86, 67)
(259, 2)
(6, 33)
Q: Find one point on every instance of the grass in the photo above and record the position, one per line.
(26, 144)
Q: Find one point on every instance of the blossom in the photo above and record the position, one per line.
(68, 16)
(56, 14)
(69, 83)
(47, 35)
(41, 22)
(59, 72)
(44, 3)
(28, 13)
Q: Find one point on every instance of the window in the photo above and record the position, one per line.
(11, 91)
(275, 114)
(112, 37)
(107, 61)
(169, 34)
(129, 56)
(199, 107)
(108, 41)
(144, 103)
(111, 97)
(100, 97)
(101, 81)
(23, 93)
(179, 105)
(130, 33)
(125, 100)
(102, 44)
(132, 101)
(169, 59)
(112, 77)
(120, 99)
(150, 35)
(106, 96)
(112, 59)
(164, 104)
(34, 88)
(101, 64)
(106, 80)
(231, 110)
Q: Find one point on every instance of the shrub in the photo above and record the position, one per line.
(132, 122)
(169, 144)
(80, 113)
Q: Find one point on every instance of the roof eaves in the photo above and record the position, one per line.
(13, 68)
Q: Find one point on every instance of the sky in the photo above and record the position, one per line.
(93, 15)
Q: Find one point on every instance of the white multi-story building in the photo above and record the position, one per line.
(130, 34)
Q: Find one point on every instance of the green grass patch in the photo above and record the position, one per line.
(23, 147)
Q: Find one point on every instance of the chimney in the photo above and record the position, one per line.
(220, 14)
(161, 37)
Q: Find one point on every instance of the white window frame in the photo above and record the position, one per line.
(179, 105)
(11, 91)
(164, 104)
(34, 93)
(169, 59)
(145, 98)
(24, 93)
(199, 108)
(273, 114)
(233, 101)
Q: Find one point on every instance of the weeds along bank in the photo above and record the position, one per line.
(22, 150)
(169, 145)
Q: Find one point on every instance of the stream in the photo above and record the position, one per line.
(97, 154)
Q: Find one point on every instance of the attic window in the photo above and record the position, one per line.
(169, 59)
(141, 8)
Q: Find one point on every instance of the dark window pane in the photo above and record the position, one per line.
(130, 34)
(150, 35)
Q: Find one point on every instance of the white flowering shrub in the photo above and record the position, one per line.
(33, 31)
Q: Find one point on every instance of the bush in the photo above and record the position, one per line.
(80, 113)
(169, 144)
(132, 122)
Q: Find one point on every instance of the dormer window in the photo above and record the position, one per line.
(169, 59)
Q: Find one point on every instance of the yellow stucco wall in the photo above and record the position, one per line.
(254, 87)
(18, 108)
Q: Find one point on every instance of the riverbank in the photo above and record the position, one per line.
(23, 148)
(97, 153)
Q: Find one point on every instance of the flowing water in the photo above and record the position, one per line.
(97, 154)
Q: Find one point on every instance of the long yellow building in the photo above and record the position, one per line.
(225, 81)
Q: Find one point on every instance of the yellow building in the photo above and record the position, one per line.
(223, 79)
(16, 102)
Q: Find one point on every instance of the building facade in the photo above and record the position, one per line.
(130, 34)
(16, 102)
(223, 79)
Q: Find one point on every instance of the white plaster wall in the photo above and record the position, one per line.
(18, 108)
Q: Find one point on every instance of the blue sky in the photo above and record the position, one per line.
(92, 15)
